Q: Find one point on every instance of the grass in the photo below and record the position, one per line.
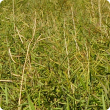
(54, 55)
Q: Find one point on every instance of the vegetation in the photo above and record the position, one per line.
(54, 55)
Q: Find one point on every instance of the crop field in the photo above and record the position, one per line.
(54, 55)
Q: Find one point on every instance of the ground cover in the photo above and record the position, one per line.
(54, 55)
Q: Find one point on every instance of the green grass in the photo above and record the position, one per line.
(54, 55)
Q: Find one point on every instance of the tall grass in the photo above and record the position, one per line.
(54, 55)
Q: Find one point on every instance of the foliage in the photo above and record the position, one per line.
(54, 55)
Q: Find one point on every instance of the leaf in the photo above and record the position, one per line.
(68, 108)
(1, 102)
(31, 105)
(6, 93)
(103, 101)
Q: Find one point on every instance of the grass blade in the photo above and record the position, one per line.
(1, 102)
(31, 105)
(103, 101)
(68, 108)
(6, 93)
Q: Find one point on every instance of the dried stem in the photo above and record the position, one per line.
(74, 37)
(14, 15)
(66, 51)
(100, 16)
(26, 59)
